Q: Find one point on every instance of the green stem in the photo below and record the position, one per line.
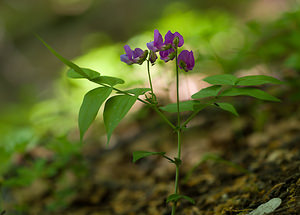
(190, 118)
(121, 91)
(151, 105)
(196, 112)
(177, 172)
(178, 133)
(163, 117)
(170, 159)
(149, 77)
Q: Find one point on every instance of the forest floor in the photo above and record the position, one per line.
(229, 166)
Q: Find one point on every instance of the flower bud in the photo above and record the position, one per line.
(142, 57)
(152, 57)
(176, 41)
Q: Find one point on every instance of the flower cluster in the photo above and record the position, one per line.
(167, 51)
(137, 56)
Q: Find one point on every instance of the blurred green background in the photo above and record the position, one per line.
(39, 105)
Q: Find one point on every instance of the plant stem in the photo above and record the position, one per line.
(190, 118)
(151, 105)
(163, 117)
(178, 134)
(149, 76)
(154, 99)
(172, 161)
(121, 91)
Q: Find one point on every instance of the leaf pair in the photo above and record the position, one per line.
(252, 80)
(95, 77)
(115, 108)
(215, 91)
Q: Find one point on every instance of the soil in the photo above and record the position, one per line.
(229, 166)
(235, 167)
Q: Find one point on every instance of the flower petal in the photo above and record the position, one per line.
(191, 61)
(137, 53)
(169, 37)
(167, 55)
(183, 55)
(141, 57)
(151, 46)
(186, 60)
(158, 40)
(128, 51)
(125, 59)
(180, 37)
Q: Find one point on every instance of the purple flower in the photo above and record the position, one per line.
(170, 39)
(157, 44)
(186, 60)
(167, 55)
(166, 49)
(137, 56)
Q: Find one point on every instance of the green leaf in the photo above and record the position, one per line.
(183, 106)
(90, 106)
(252, 80)
(62, 59)
(111, 81)
(138, 91)
(114, 111)
(227, 107)
(253, 92)
(141, 154)
(207, 92)
(176, 197)
(199, 107)
(95, 77)
(225, 79)
(90, 74)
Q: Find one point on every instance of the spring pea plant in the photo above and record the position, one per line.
(118, 105)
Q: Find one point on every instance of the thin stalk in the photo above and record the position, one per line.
(153, 97)
(190, 118)
(121, 91)
(149, 77)
(178, 133)
(177, 91)
(170, 159)
(163, 117)
(151, 105)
